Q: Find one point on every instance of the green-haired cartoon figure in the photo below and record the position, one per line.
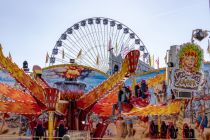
(190, 58)
(188, 77)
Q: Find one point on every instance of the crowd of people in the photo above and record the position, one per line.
(39, 130)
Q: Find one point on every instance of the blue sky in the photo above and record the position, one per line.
(30, 28)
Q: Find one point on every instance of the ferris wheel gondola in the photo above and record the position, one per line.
(97, 42)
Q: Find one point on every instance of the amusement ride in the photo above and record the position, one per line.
(91, 64)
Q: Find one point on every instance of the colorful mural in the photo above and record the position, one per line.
(188, 77)
(76, 74)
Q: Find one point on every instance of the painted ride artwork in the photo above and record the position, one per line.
(107, 91)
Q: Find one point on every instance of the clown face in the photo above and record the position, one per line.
(188, 63)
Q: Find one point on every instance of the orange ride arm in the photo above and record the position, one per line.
(20, 108)
(16, 95)
(103, 108)
(42, 82)
(25, 80)
(129, 66)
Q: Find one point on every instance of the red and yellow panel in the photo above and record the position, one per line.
(19, 108)
(24, 79)
(104, 106)
(133, 58)
(169, 109)
(15, 94)
(156, 80)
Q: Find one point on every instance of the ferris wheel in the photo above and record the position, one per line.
(97, 42)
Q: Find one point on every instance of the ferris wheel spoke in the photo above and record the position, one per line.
(117, 47)
(89, 41)
(121, 38)
(92, 37)
(73, 44)
(112, 30)
(100, 40)
(108, 39)
(63, 53)
(114, 36)
(77, 40)
(104, 41)
(75, 55)
(85, 46)
(69, 49)
(80, 39)
(121, 44)
(127, 41)
(97, 38)
(89, 38)
(85, 37)
(132, 46)
(61, 60)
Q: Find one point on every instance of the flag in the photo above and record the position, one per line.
(79, 54)
(122, 48)
(63, 54)
(165, 58)
(97, 60)
(157, 62)
(208, 49)
(153, 60)
(10, 56)
(125, 51)
(116, 47)
(150, 60)
(47, 58)
(110, 45)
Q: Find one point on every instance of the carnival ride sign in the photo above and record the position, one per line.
(187, 81)
(188, 77)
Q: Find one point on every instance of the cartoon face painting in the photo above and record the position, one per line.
(189, 63)
(190, 58)
(188, 76)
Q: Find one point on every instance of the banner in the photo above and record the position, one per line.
(188, 76)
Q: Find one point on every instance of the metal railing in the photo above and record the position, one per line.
(78, 138)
